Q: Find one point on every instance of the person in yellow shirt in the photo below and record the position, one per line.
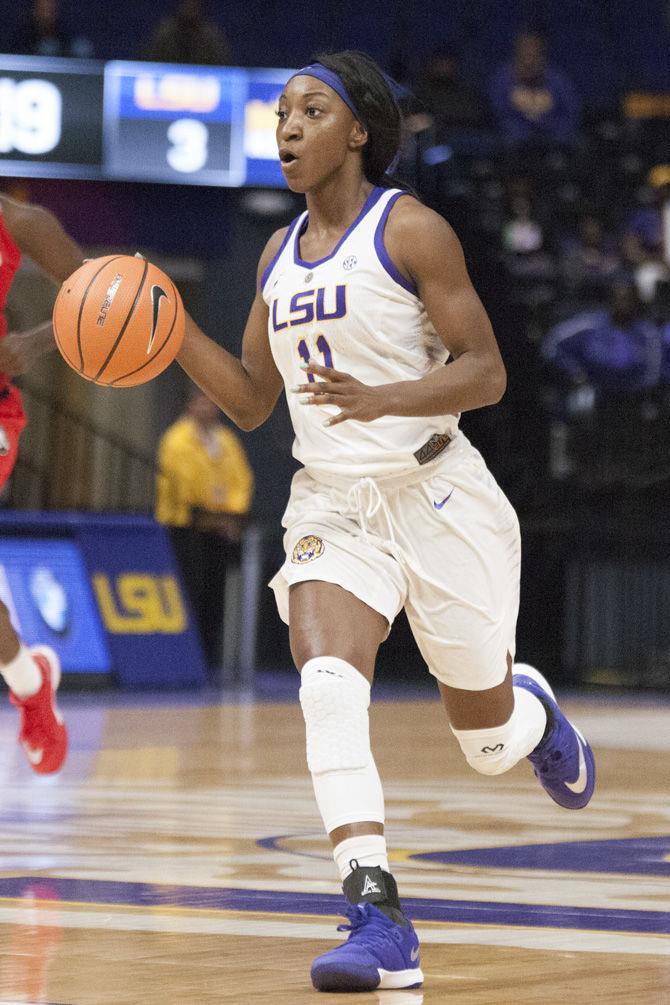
(204, 489)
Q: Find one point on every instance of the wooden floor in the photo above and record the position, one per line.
(178, 860)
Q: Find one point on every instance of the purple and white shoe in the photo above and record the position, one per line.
(563, 761)
(382, 950)
(379, 954)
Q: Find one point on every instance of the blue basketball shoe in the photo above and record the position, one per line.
(382, 950)
(563, 761)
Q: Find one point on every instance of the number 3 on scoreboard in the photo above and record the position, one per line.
(323, 348)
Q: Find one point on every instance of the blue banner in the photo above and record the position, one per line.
(141, 602)
(104, 591)
(45, 587)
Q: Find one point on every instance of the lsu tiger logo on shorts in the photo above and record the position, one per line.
(307, 549)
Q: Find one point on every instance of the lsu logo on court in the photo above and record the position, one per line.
(307, 549)
(137, 603)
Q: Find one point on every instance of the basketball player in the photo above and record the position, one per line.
(367, 294)
(32, 674)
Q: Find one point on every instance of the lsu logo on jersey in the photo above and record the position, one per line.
(307, 549)
(310, 305)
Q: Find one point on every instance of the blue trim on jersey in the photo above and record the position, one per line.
(287, 238)
(374, 197)
(382, 253)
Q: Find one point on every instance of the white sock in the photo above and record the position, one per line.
(366, 849)
(22, 674)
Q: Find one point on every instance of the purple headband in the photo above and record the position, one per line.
(329, 77)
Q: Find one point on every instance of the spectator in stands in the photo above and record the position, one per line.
(188, 36)
(444, 99)
(643, 244)
(535, 104)
(590, 262)
(616, 349)
(522, 233)
(203, 495)
(41, 33)
(524, 241)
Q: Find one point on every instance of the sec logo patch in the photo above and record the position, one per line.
(307, 549)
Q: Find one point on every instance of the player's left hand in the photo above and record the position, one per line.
(354, 399)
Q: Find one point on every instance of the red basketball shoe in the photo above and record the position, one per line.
(43, 733)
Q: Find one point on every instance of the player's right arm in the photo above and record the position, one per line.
(246, 389)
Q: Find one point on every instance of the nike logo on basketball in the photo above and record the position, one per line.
(445, 500)
(582, 778)
(370, 887)
(156, 294)
(414, 955)
(34, 756)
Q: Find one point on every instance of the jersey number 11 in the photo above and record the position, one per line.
(323, 348)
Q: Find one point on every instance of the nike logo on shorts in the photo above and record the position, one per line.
(439, 505)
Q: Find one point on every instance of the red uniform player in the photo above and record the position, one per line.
(32, 674)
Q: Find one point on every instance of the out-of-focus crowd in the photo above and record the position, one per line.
(564, 215)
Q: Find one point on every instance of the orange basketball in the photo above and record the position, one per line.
(118, 320)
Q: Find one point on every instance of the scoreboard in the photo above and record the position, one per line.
(190, 125)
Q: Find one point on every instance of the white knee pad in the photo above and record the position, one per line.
(496, 750)
(335, 698)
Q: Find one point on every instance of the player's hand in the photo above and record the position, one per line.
(18, 353)
(354, 399)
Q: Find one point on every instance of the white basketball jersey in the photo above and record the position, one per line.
(354, 311)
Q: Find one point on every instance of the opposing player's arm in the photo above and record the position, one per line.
(425, 249)
(245, 389)
(37, 233)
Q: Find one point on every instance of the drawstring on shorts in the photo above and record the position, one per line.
(365, 500)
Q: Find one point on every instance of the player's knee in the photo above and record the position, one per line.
(335, 698)
(305, 648)
(495, 749)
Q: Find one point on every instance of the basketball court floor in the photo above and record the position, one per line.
(178, 860)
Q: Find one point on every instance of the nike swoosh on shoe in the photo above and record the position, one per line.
(579, 785)
(414, 955)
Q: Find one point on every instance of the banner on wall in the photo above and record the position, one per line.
(141, 602)
(104, 592)
(46, 588)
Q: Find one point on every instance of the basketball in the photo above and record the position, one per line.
(118, 320)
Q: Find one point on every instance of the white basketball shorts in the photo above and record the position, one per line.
(443, 543)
